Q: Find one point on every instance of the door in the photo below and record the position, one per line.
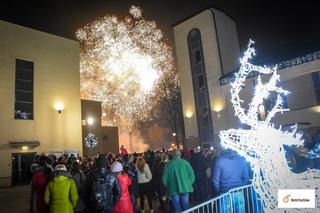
(21, 173)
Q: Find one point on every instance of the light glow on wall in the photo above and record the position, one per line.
(189, 114)
(59, 106)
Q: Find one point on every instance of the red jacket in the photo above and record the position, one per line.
(40, 181)
(123, 151)
(124, 205)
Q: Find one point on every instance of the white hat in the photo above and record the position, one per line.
(60, 167)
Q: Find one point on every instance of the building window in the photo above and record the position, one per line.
(316, 84)
(23, 106)
(200, 87)
(198, 56)
(201, 83)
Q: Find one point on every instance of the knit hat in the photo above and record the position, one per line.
(116, 167)
(60, 167)
(101, 161)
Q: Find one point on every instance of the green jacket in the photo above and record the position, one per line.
(61, 194)
(178, 176)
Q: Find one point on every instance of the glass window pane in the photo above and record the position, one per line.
(23, 108)
(198, 56)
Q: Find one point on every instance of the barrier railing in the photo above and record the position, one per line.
(238, 200)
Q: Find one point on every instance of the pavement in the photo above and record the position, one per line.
(15, 199)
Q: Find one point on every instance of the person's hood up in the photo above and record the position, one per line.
(60, 178)
(58, 173)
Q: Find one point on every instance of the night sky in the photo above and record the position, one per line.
(282, 29)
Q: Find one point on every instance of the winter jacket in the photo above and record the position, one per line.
(79, 179)
(61, 193)
(145, 176)
(178, 176)
(229, 171)
(124, 205)
(199, 166)
(113, 189)
(158, 171)
(123, 151)
(133, 175)
(39, 182)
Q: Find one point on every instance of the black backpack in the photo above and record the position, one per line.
(99, 192)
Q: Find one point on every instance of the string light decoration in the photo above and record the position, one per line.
(122, 63)
(262, 144)
(91, 141)
(314, 153)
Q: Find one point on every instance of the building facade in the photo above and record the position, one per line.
(40, 110)
(207, 50)
(107, 136)
(207, 47)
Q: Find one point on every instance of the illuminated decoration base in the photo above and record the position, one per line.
(91, 140)
(262, 144)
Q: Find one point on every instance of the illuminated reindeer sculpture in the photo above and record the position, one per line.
(262, 144)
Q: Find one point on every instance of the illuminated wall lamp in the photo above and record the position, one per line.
(189, 114)
(24, 147)
(218, 109)
(90, 121)
(59, 107)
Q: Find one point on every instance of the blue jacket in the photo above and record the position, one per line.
(229, 171)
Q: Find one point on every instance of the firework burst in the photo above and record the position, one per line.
(122, 63)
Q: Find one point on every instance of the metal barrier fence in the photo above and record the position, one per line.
(238, 200)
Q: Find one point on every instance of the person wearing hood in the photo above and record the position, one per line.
(229, 171)
(124, 205)
(130, 169)
(61, 192)
(160, 188)
(101, 190)
(178, 177)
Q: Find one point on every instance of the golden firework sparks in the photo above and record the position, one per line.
(123, 63)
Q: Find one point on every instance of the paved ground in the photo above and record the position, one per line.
(14, 200)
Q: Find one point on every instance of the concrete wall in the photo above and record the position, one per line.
(228, 41)
(56, 79)
(205, 22)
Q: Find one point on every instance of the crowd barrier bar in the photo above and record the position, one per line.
(243, 199)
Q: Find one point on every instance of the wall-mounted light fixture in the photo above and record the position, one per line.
(218, 108)
(316, 108)
(174, 134)
(24, 147)
(59, 107)
(90, 121)
(189, 114)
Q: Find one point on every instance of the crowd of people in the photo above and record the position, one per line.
(168, 180)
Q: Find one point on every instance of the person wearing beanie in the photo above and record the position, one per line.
(61, 192)
(124, 205)
(101, 190)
